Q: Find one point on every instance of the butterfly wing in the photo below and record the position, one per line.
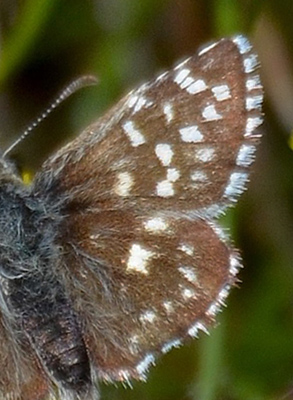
(145, 265)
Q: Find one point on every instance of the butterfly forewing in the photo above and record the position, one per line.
(176, 138)
(141, 188)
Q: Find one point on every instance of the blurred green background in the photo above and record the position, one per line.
(44, 44)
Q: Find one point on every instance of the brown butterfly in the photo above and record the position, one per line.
(112, 255)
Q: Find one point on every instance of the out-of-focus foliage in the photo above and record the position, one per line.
(46, 43)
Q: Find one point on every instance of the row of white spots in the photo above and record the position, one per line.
(149, 316)
(138, 259)
(253, 82)
(164, 153)
(165, 188)
(245, 156)
(135, 136)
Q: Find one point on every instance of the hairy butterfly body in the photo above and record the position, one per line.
(112, 256)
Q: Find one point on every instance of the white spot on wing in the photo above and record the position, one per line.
(165, 153)
(251, 124)
(234, 265)
(198, 176)
(253, 83)
(242, 43)
(168, 111)
(168, 305)
(132, 100)
(191, 134)
(170, 345)
(187, 249)
(134, 344)
(142, 102)
(173, 174)
(250, 63)
(125, 183)
(147, 316)
(221, 92)
(187, 293)
(213, 309)
(165, 189)
(236, 184)
(188, 274)
(210, 113)
(138, 259)
(181, 75)
(187, 82)
(156, 225)
(197, 86)
(135, 136)
(205, 154)
(198, 326)
(223, 294)
(254, 102)
(245, 155)
(144, 365)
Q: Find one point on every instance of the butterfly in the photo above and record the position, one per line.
(112, 255)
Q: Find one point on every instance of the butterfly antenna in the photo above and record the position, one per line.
(79, 83)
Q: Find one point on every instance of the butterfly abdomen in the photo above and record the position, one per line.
(34, 298)
(52, 328)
